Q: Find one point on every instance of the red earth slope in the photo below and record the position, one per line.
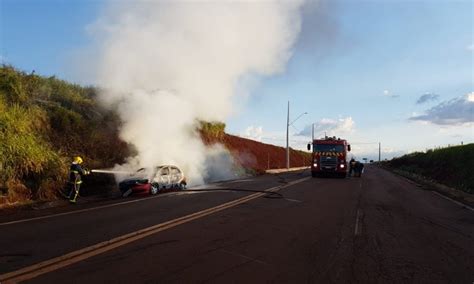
(255, 155)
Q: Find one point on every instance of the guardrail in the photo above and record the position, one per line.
(276, 171)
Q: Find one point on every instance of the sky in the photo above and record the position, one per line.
(398, 73)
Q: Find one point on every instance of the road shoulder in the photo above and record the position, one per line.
(426, 184)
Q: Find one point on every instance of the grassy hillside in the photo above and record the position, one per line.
(43, 123)
(453, 166)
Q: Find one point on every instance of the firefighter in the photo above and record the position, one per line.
(75, 178)
(352, 164)
(358, 169)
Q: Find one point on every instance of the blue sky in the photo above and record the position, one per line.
(358, 69)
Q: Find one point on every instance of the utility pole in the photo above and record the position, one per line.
(288, 134)
(287, 137)
(379, 151)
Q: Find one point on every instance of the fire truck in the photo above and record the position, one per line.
(329, 157)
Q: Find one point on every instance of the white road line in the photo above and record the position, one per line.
(83, 210)
(77, 211)
(89, 209)
(356, 230)
(59, 262)
(452, 200)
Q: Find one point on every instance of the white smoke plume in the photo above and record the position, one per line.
(166, 64)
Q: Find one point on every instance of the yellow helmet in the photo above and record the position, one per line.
(78, 160)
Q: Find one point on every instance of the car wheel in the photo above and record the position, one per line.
(182, 186)
(154, 189)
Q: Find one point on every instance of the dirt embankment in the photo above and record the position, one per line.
(255, 155)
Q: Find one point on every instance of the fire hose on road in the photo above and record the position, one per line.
(110, 172)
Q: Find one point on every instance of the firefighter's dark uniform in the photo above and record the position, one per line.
(75, 180)
(359, 167)
(352, 164)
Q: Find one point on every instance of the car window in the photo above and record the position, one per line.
(162, 175)
(175, 175)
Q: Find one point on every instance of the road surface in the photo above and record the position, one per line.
(376, 229)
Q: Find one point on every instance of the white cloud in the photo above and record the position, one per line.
(253, 132)
(470, 97)
(458, 111)
(387, 93)
(330, 127)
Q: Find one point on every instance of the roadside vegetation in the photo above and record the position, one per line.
(214, 130)
(44, 122)
(452, 166)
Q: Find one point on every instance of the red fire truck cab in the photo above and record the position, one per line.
(329, 157)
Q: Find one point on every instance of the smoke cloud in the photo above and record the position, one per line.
(167, 64)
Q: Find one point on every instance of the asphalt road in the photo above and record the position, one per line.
(376, 229)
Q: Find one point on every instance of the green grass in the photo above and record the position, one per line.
(44, 122)
(452, 166)
(212, 129)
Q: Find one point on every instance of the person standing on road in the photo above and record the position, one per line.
(352, 164)
(358, 169)
(75, 178)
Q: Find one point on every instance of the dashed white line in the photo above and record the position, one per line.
(356, 230)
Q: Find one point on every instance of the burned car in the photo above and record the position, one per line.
(163, 178)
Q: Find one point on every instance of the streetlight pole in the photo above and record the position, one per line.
(288, 134)
(380, 150)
